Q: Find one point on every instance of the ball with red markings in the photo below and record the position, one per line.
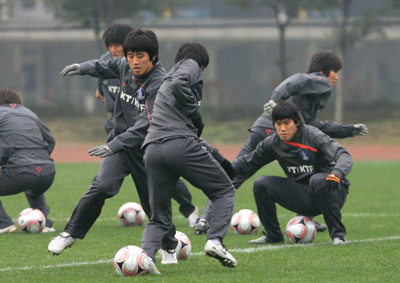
(31, 220)
(301, 230)
(184, 247)
(131, 261)
(131, 214)
(245, 222)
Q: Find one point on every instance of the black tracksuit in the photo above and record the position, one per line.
(306, 160)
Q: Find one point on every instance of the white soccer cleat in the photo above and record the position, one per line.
(60, 243)
(8, 230)
(152, 268)
(218, 251)
(168, 257)
(49, 230)
(339, 241)
(193, 217)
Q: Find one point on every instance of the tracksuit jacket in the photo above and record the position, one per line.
(172, 119)
(309, 152)
(130, 123)
(310, 93)
(24, 139)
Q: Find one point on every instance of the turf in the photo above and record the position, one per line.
(371, 217)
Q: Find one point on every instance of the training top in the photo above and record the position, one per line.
(309, 152)
(310, 93)
(24, 139)
(110, 89)
(134, 103)
(178, 98)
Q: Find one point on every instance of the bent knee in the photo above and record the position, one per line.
(105, 189)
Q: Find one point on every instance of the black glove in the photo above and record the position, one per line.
(228, 168)
(102, 151)
(332, 182)
(198, 123)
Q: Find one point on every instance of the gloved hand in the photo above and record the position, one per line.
(228, 168)
(198, 123)
(102, 151)
(360, 130)
(269, 106)
(332, 182)
(71, 70)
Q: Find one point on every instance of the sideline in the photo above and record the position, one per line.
(247, 250)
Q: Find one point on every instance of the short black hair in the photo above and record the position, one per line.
(286, 110)
(116, 33)
(142, 40)
(324, 62)
(195, 51)
(8, 96)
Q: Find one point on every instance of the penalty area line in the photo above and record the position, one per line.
(246, 250)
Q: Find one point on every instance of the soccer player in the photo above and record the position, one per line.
(110, 89)
(315, 165)
(141, 75)
(26, 166)
(173, 150)
(310, 92)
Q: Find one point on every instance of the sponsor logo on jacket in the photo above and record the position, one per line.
(132, 100)
(300, 169)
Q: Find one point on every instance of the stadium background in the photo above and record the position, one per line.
(37, 41)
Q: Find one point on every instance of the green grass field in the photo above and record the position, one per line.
(371, 216)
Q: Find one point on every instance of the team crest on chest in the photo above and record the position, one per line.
(304, 155)
(141, 93)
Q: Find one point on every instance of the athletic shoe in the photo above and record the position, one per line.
(339, 241)
(265, 240)
(8, 230)
(60, 243)
(49, 230)
(168, 256)
(152, 268)
(201, 226)
(320, 227)
(218, 251)
(193, 217)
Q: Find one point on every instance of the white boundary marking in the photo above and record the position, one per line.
(246, 250)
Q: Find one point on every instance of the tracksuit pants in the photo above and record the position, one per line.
(34, 181)
(255, 138)
(166, 162)
(106, 184)
(305, 199)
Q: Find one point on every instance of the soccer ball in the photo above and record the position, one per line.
(301, 230)
(131, 214)
(245, 222)
(131, 261)
(31, 220)
(184, 247)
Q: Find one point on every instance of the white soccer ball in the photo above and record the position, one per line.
(131, 261)
(245, 222)
(184, 247)
(131, 214)
(301, 230)
(31, 220)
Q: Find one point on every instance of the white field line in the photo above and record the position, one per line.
(180, 216)
(247, 250)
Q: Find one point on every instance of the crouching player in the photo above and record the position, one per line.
(316, 167)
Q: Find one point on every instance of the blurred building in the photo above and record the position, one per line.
(35, 45)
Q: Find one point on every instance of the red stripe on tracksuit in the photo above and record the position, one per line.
(302, 146)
